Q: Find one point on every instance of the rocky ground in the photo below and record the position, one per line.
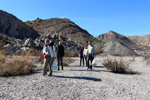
(78, 83)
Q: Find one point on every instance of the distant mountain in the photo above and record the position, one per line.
(63, 27)
(115, 48)
(12, 26)
(140, 40)
(116, 37)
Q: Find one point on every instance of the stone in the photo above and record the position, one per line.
(25, 48)
(29, 43)
(10, 48)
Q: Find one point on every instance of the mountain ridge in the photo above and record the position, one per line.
(63, 27)
(12, 26)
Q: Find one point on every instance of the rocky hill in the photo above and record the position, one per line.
(12, 26)
(116, 37)
(32, 34)
(140, 40)
(63, 27)
(115, 48)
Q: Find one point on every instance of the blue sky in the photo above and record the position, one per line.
(127, 17)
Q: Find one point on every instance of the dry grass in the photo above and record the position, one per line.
(146, 56)
(32, 52)
(2, 57)
(69, 53)
(15, 67)
(98, 51)
(2, 42)
(117, 66)
(119, 55)
(67, 61)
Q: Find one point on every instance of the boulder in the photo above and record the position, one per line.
(29, 43)
(25, 48)
(55, 36)
(10, 48)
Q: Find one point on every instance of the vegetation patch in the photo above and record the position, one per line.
(15, 67)
(117, 66)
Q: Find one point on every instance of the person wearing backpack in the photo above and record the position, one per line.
(60, 54)
(91, 54)
(49, 57)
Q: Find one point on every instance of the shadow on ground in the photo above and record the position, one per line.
(99, 66)
(82, 78)
(93, 70)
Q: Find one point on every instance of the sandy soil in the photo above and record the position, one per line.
(78, 83)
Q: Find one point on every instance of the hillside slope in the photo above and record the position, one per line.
(140, 40)
(116, 37)
(12, 26)
(63, 27)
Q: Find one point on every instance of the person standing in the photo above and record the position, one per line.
(52, 45)
(85, 53)
(91, 54)
(60, 54)
(49, 57)
(81, 55)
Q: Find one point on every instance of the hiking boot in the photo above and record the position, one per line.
(50, 74)
(44, 74)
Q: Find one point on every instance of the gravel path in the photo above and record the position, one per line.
(77, 83)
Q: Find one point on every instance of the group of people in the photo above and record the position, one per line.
(87, 53)
(52, 53)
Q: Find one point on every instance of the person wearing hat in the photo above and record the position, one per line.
(49, 56)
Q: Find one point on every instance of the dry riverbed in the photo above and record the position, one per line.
(78, 83)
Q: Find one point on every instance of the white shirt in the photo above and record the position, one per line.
(50, 52)
(85, 52)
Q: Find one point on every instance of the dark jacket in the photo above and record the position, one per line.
(81, 53)
(60, 50)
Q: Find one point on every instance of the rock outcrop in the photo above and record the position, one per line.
(11, 48)
(64, 28)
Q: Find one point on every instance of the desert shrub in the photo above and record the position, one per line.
(98, 51)
(2, 57)
(117, 66)
(32, 52)
(18, 66)
(69, 53)
(67, 61)
(116, 54)
(146, 56)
